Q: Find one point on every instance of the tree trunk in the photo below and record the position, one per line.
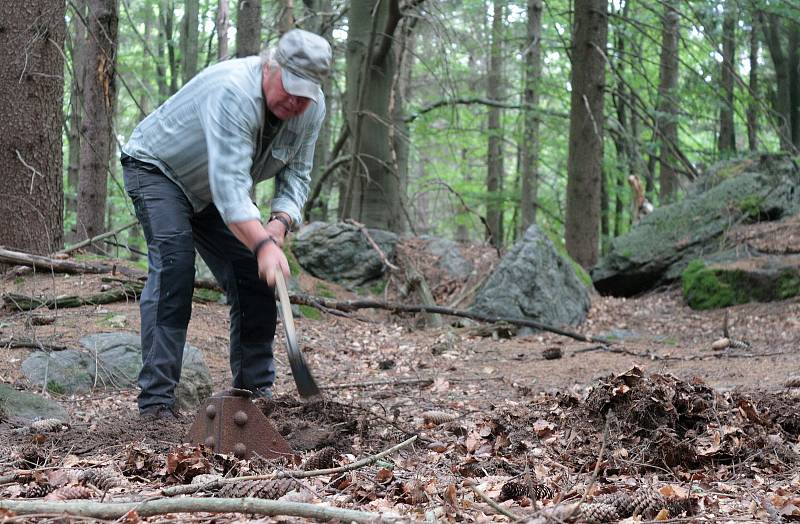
(752, 105)
(248, 28)
(319, 17)
(167, 20)
(100, 94)
(161, 64)
(727, 136)
(372, 192)
(286, 20)
(78, 41)
(530, 97)
(783, 104)
(222, 30)
(189, 39)
(667, 123)
(31, 95)
(585, 157)
(495, 167)
(794, 81)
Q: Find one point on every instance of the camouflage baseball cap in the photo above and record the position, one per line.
(305, 60)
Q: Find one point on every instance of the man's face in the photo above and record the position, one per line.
(282, 104)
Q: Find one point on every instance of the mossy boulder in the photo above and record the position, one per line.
(661, 246)
(759, 279)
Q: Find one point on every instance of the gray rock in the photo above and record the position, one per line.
(25, 405)
(660, 247)
(534, 282)
(113, 361)
(451, 261)
(339, 252)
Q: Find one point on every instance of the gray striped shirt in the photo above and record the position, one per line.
(207, 138)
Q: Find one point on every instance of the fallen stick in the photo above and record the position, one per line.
(115, 510)
(296, 474)
(495, 506)
(351, 305)
(19, 258)
(25, 342)
(102, 236)
(402, 382)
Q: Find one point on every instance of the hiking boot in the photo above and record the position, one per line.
(262, 393)
(159, 412)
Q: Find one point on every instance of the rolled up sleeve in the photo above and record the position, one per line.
(292, 182)
(230, 125)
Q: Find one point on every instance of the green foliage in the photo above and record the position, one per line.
(378, 287)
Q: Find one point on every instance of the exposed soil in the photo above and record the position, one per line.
(716, 430)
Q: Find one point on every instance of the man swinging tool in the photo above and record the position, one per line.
(190, 168)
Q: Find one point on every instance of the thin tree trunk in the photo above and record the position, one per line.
(78, 40)
(31, 95)
(319, 22)
(189, 39)
(248, 28)
(727, 136)
(530, 146)
(783, 104)
(286, 21)
(668, 104)
(100, 96)
(167, 19)
(222, 30)
(585, 157)
(161, 65)
(794, 81)
(494, 175)
(752, 105)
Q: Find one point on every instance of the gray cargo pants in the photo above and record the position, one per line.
(173, 231)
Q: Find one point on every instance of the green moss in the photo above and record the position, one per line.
(310, 312)
(703, 288)
(294, 265)
(55, 388)
(206, 295)
(378, 288)
(788, 284)
(561, 249)
(751, 206)
(320, 289)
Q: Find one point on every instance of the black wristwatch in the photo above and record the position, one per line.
(283, 221)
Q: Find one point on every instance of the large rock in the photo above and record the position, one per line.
(450, 260)
(24, 405)
(339, 252)
(533, 281)
(112, 360)
(660, 247)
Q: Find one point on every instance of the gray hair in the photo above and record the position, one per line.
(268, 58)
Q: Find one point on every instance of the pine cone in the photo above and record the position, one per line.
(552, 353)
(36, 490)
(619, 499)
(48, 425)
(739, 344)
(322, 459)
(70, 492)
(263, 489)
(516, 490)
(437, 417)
(31, 457)
(103, 479)
(647, 503)
(599, 512)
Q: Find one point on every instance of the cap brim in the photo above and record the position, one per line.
(299, 86)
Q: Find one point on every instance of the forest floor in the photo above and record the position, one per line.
(658, 424)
